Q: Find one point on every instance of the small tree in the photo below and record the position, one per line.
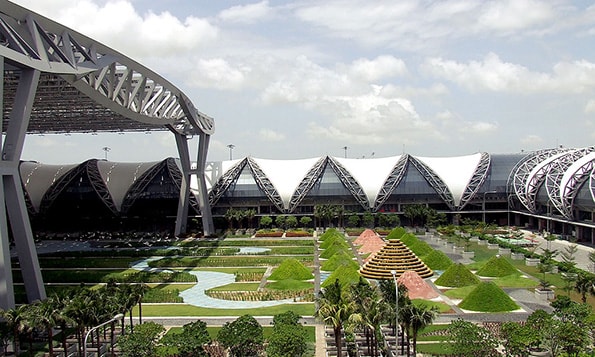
(517, 338)
(368, 220)
(280, 221)
(142, 342)
(305, 221)
(190, 341)
(291, 222)
(288, 337)
(242, 336)
(265, 221)
(468, 339)
(353, 220)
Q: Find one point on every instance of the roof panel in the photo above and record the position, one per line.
(286, 175)
(371, 174)
(120, 176)
(456, 172)
(38, 178)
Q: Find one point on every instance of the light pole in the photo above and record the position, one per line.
(231, 146)
(483, 206)
(345, 148)
(106, 149)
(394, 273)
(115, 318)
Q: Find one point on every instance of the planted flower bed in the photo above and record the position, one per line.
(265, 295)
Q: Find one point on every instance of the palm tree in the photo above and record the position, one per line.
(334, 309)
(418, 317)
(585, 284)
(15, 318)
(372, 311)
(46, 313)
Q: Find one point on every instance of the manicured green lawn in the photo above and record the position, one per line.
(306, 309)
(238, 287)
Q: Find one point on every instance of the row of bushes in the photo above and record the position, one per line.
(264, 295)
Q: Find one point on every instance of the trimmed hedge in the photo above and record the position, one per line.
(347, 275)
(396, 233)
(334, 249)
(337, 260)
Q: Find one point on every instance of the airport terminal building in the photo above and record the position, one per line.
(551, 189)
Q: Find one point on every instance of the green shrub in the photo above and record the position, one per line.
(291, 269)
(337, 260)
(289, 284)
(497, 266)
(437, 260)
(457, 275)
(488, 297)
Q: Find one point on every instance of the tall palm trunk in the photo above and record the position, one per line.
(51, 341)
(338, 341)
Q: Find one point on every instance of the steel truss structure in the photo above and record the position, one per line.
(225, 182)
(560, 187)
(55, 80)
(350, 183)
(528, 175)
(435, 181)
(266, 185)
(313, 175)
(477, 180)
(393, 180)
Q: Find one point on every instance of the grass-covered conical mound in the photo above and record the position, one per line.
(332, 240)
(396, 233)
(291, 269)
(347, 275)
(496, 267)
(456, 276)
(437, 260)
(329, 233)
(488, 297)
(334, 249)
(337, 260)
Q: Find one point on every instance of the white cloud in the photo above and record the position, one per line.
(493, 74)
(218, 73)
(271, 135)
(478, 127)
(378, 69)
(513, 15)
(590, 107)
(246, 14)
(532, 141)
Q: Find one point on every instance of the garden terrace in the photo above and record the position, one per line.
(394, 256)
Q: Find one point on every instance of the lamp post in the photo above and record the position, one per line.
(394, 273)
(231, 146)
(483, 206)
(115, 318)
(345, 148)
(106, 149)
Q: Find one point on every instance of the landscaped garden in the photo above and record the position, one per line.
(276, 274)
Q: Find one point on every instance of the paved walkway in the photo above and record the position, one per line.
(581, 256)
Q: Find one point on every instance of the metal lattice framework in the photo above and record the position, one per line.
(435, 181)
(479, 176)
(350, 183)
(88, 168)
(527, 176)
(226, 180)
(560, 193)
(393, 180)
(86, 85)
(313, 175)
(266, 185)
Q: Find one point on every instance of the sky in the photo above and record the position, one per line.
(356, 78)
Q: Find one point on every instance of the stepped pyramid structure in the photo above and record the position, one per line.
(394, 256)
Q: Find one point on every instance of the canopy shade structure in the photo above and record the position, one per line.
(56, 80)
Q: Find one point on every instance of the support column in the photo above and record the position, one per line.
(203, 198)
(13, 199)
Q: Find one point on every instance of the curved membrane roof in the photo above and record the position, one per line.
(38, 178)
(455, 172)
(119, 177)
(371, 174)
(286, 175)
